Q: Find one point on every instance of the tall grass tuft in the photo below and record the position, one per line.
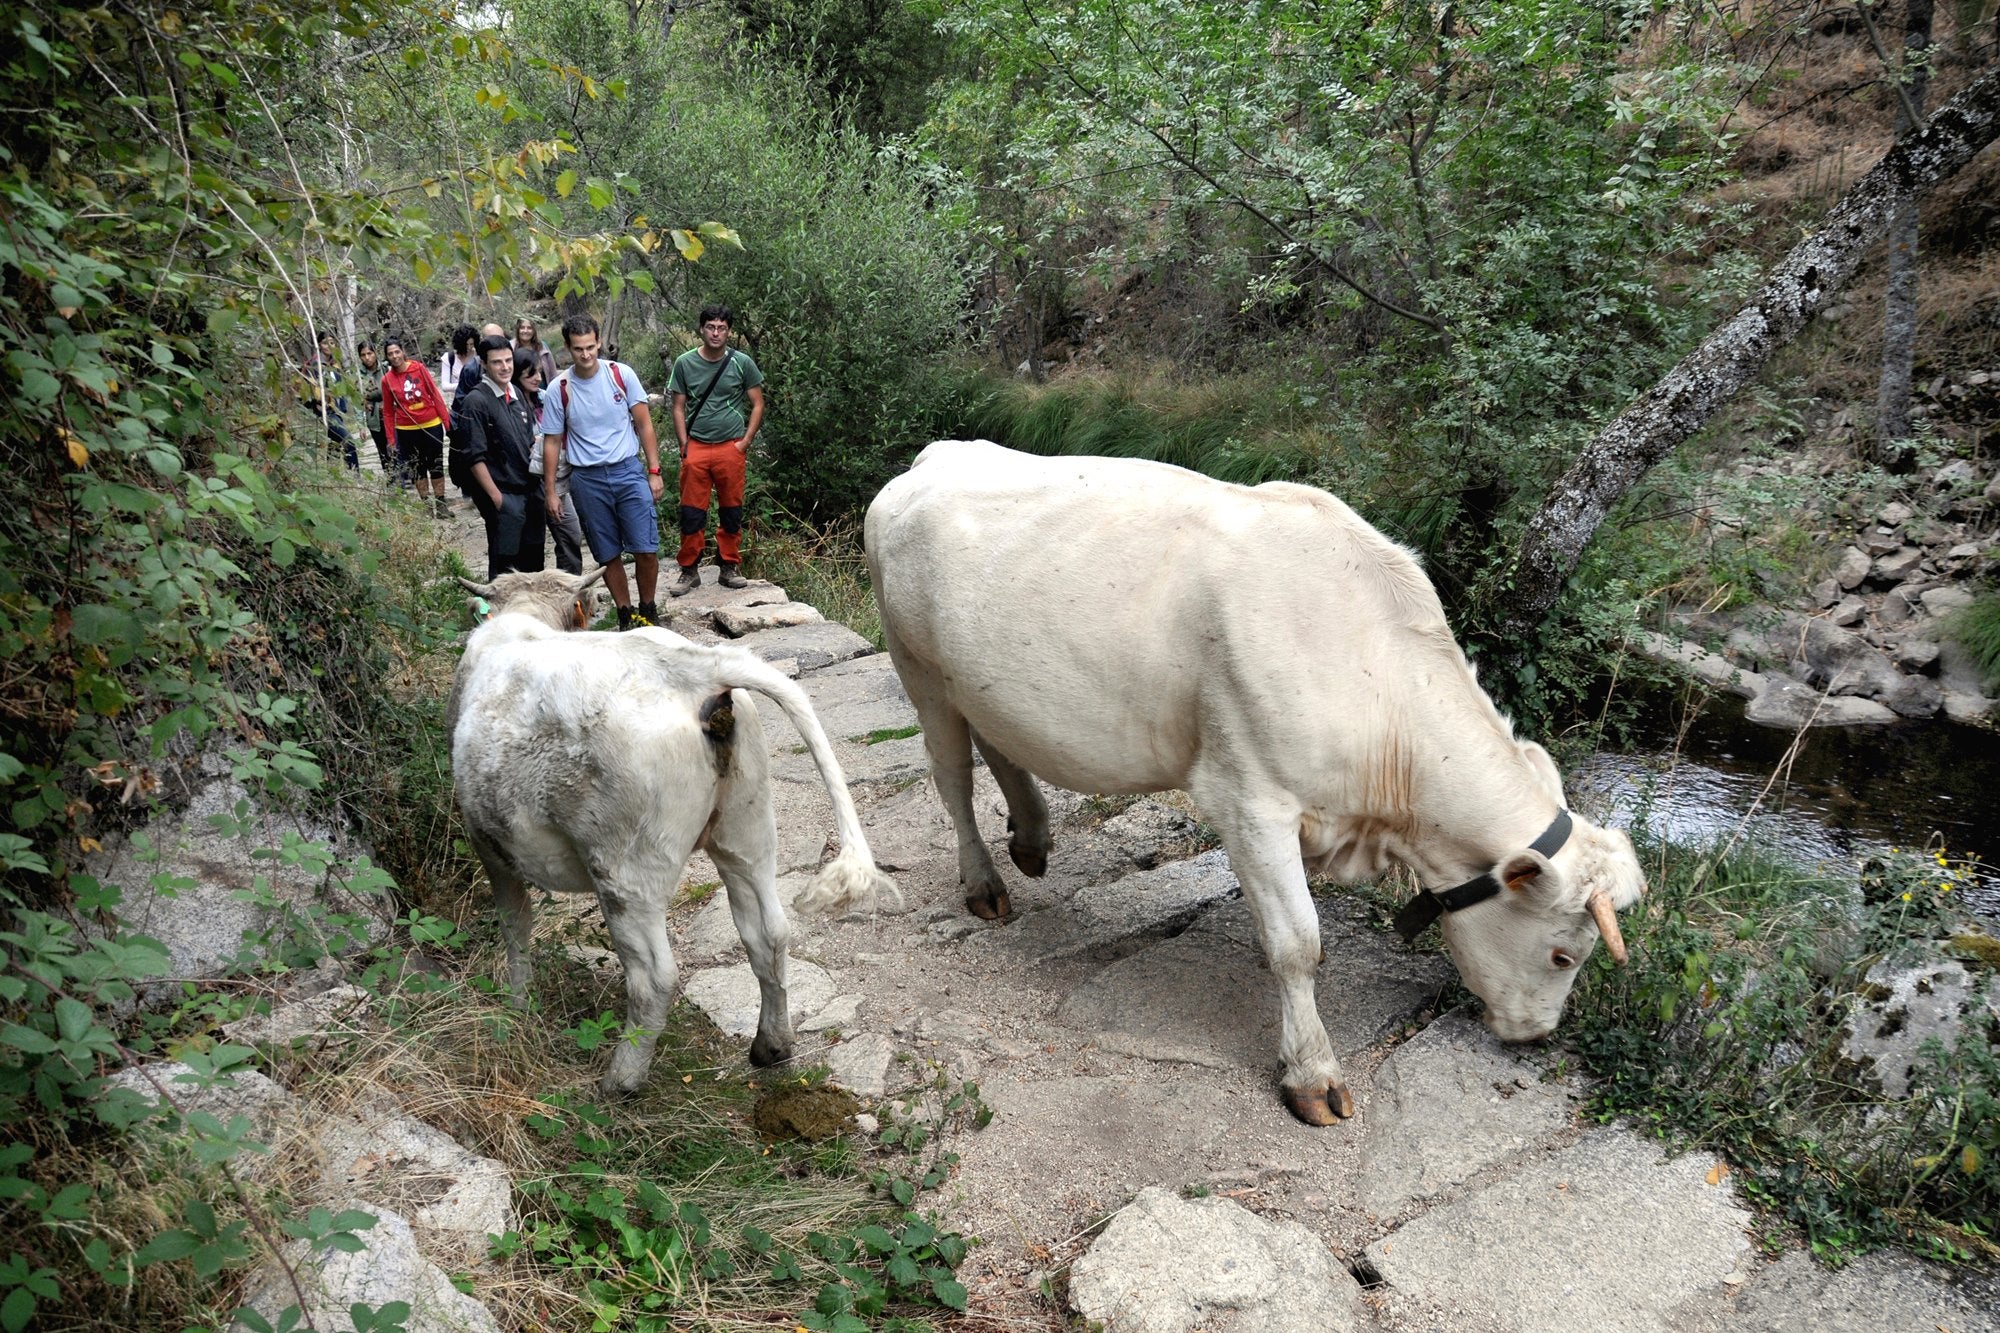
(1978, 628)
(824, 567)
(1239, 430)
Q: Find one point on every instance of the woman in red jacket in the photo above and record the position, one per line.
(415, 416)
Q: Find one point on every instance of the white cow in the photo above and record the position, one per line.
(596, 763)
(1110, 625)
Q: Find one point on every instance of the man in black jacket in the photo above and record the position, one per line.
(493, 436)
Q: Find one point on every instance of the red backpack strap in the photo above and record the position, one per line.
(563, 384)
(619, 375)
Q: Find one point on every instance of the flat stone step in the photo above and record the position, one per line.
(1149, 903)
(1606, 1236)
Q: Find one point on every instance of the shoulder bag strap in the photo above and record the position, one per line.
(728, 355)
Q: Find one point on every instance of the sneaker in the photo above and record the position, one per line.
(648, 614)
(690, 580)
(729, 578)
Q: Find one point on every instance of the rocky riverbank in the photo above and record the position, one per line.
(1871, 642)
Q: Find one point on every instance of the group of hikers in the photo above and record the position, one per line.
(570, 455)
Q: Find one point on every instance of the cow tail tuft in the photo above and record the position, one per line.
(849, 885)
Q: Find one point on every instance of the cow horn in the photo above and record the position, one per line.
(476, 589)
(1607, 924)
(592, 577)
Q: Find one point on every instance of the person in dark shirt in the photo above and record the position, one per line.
(493, 438)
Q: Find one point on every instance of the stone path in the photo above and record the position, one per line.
(1122, 1027)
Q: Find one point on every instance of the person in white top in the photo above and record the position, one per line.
(596, 412)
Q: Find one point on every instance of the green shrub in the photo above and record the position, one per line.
(1726, 1031)
(1978, 628)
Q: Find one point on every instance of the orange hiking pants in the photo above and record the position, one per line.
(720, 467)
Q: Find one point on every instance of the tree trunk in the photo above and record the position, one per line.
(1799, 288)
(1899, 304)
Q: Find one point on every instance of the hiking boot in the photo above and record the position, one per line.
(690, 580)
(624, 617)
(648, 614)
(441, 506)
(729, 578)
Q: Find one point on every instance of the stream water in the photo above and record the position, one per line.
(1846, 792)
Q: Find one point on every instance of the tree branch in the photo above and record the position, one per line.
(1802, 285)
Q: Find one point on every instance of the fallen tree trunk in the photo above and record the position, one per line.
(1799, 288)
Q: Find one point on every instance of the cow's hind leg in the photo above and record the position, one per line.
(743, 842)
(1263, 848)
(1028, 840)
(634, 889)
(948, 741)
(510, 904)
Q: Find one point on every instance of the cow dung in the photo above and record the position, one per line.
(810, 1113)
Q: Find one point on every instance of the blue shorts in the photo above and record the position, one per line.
(615, 506)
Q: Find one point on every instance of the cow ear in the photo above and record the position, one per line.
(1527, 872)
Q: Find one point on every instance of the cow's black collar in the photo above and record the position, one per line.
(1429, 905)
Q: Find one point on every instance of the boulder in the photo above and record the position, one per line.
(737, 621)
(1897, 608)
(1955, 475)
(1969, 709)
(730, 998)
(1945, 601)
(209, 900)
(1913, 696)
(1992, 493)
(246, 1093)
(1716, 672)
(389, 1268)
(1825, 593)
(1173, 1265)
(1897, 566)
(1109, 918)
(1894, 514)
(1965, 551)
(1916, 655)
(1906, 1004)
(453, 1197)
(328, 1018)
(1852, 570)
(1848, 611)
(1844, 663)
(1880, 542)
(817, 644)
(861, 1065)
(1789, 704)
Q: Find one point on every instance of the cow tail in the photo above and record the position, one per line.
(851, 882)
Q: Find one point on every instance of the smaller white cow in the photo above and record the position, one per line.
(597, 763)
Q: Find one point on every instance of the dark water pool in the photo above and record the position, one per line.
(1846, 790)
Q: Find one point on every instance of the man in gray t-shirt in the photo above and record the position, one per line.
(597, 412)
(718, 396)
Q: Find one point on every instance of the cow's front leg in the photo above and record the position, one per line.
(637, 917)
(1263, 848)
(510, 904)
(1028, 839)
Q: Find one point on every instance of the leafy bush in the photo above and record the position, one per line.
(1726, 1030)
(1978, 628)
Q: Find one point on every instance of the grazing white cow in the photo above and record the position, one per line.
(596, 763)
(1119, 626)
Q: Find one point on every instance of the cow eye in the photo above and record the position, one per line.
(1562, 958)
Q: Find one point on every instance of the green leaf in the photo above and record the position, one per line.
(950, 1293)
(41, 387)
(17, 1310)
(598, 193)
(106, 625)
(27, 1040)
(167, 1247)
(565, 183)
(73, 1018)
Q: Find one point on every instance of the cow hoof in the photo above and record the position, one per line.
(989, 907)
(765, 1052)
(1320, 1106)
(612, 1087)
(1031, 861)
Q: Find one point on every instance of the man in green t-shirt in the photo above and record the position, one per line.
(711, 387)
